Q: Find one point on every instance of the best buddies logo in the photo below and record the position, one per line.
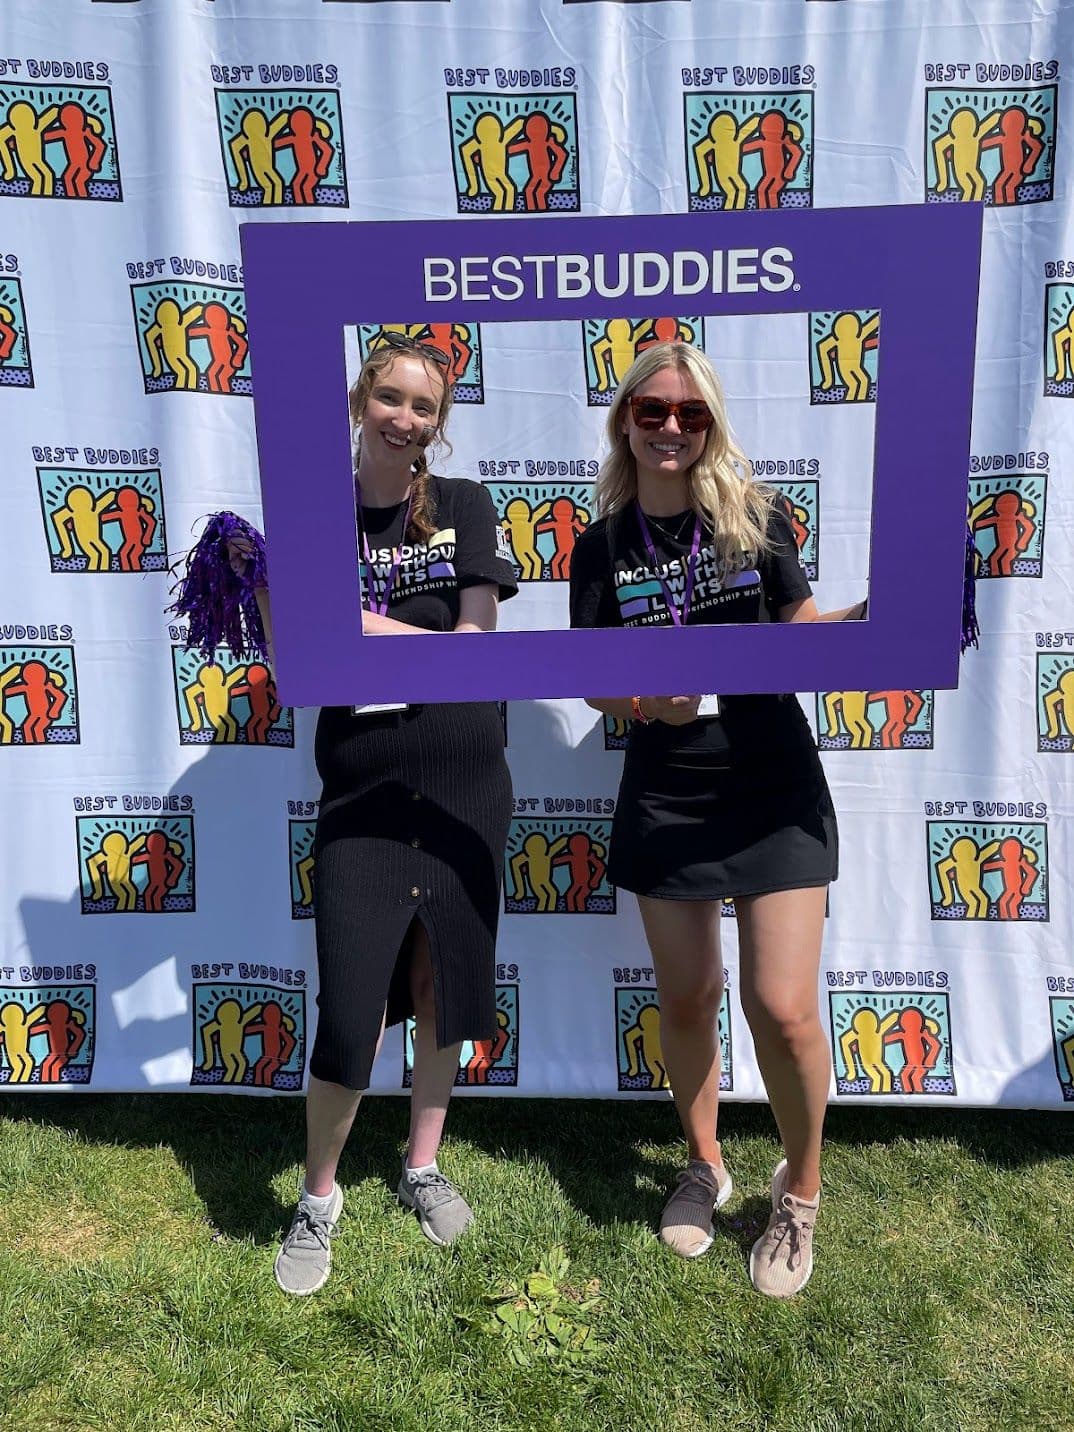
(749, 148)
(460, 344)
(1059, 331)
(843, 356)
(994, 143)
(48, 1031)
(1062, 1020)
(1055, 694)
(800, 501)
(57, 140)
(102, 519)
(191, 336)
(281, 146)
(16, 370)
(483, 1063)
(875, 720)
(892, 1043)
(38, 688)
(558, 867)
(610, 345)
(250, 1035)
(135, 864)
(1007, 510)
(300, 835)
(639, 1055)
(988, 869)
(228, 702)
(542, 521)
(514, 153)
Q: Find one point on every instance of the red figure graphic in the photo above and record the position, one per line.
(487, 1052)
(663, 330)
(311, 151)
(227, 345)
(162, 867)
(566, 524)
(586, 870)
(780, 154)
(277, 1043)
(83, 147)
(260, 690)
(920, 1049)
(1018, 873)
(798, 527)
(44, 696)
(136, 524)
(902, 708)
(63, 1027)
(545, 158)
(1019, 149)
(1013, 528)
(452, 339)
(8, 334)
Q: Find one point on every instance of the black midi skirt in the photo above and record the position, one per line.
(706, 821)
(412, 825)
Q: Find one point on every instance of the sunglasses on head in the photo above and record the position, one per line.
(692, 416)
(405, 344)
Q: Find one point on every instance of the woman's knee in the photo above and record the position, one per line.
(781, 1022)
(685, 1008)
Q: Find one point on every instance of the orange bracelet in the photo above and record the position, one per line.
(638, 713)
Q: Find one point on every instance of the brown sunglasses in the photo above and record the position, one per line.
(692, 416)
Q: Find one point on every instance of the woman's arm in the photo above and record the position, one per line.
(806, 611)
(675, 710)
(477, 612)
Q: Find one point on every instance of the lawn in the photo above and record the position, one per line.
(137, 1236)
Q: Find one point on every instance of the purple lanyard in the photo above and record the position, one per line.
(679, 616)
(380, 605)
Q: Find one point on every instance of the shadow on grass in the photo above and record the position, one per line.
(233, 1148)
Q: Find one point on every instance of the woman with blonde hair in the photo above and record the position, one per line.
(721, 797)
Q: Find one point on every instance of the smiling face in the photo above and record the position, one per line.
(404, 400)
(666, 452)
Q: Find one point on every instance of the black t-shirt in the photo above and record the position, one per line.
(467, 550)
(614, 583)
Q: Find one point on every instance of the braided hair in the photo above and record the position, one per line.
(422, 525)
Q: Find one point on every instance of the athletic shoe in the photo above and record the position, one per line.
(686, 1222)
(305, 1257)
(442, 1211)
(782, 1258)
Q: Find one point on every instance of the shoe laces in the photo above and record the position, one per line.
(310, 1229)
(434, 1189)
(695, 1185)
(787, 1232)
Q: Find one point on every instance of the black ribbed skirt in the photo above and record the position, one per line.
(412, 825)
(708, 819)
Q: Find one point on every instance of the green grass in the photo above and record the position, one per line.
(137, 1236)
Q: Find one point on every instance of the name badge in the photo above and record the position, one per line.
(710, 706)
(388, 706)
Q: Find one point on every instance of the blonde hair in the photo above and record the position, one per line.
(720, 486)
(422, 525)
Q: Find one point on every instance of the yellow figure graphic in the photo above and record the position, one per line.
(615, 351)
(81, 514)
(1061, 341)
(723, 147)
(862, 1048)
(643, 1049)
(15, 1025)
(534, 861)
(1060, 702)
(254, 156)
(961, 143)
(962, 871)
(228, 1028)
(847, 344)
(304, 874)
(1067, 1048)
(112, 863)
(24, 132)
(7, 726)
(209, 694)
(168, 336)
(854, 708)
(488, 147)
(520, 522)
(619, 727)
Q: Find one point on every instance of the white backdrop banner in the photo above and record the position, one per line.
(157, 886)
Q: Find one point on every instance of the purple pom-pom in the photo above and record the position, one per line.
(220, 605)
(970, 629)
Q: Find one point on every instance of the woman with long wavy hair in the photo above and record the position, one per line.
(721, 797)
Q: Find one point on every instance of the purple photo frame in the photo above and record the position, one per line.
(916, 263)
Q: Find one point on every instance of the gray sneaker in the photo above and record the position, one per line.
(686, 1222)
(305, 1257)
(442, 1211)
(781, 1260)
